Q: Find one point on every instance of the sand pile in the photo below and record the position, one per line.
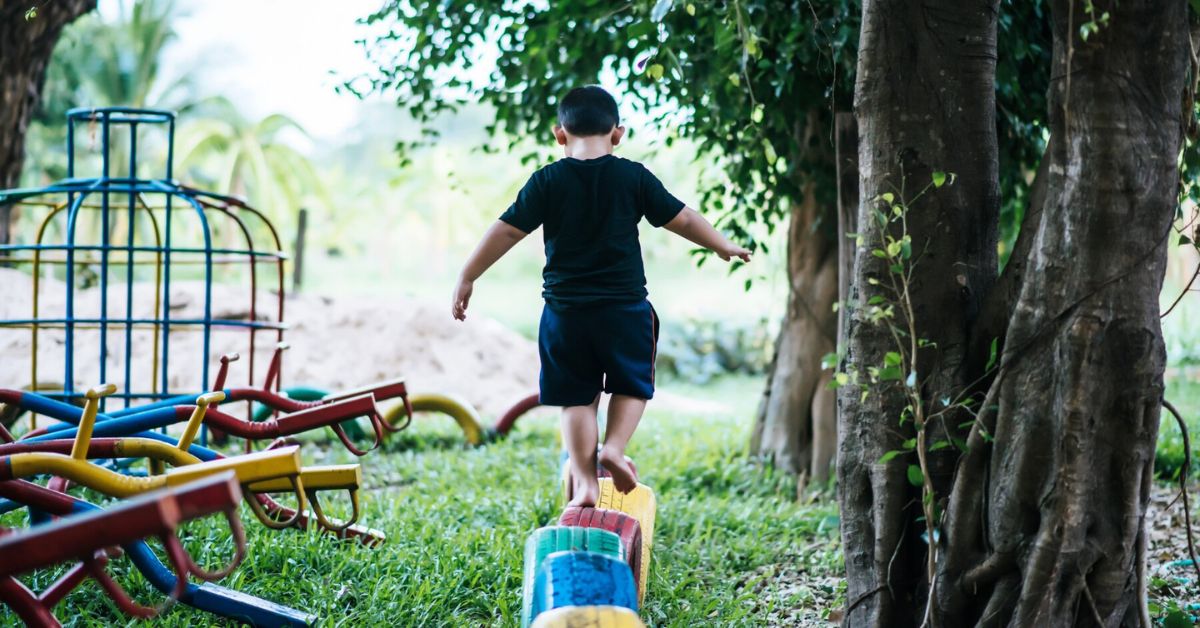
(336, 344)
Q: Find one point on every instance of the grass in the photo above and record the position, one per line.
(1184, 393)
(456, 520)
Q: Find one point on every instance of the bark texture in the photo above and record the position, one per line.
(25, 49)
(1045, 526)
(925, 101)
(796, 423)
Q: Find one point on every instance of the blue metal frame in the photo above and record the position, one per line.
(114, 196)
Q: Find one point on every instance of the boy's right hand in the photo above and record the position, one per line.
(462, 297)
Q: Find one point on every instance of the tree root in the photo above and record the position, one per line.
(1183, 473)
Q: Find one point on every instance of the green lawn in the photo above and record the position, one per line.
(457, 518)
(732, 546)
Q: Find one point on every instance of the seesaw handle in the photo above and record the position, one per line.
(91, 408)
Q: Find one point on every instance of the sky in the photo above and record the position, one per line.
(273, 56)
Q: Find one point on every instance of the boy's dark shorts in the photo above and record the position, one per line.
(607, 347)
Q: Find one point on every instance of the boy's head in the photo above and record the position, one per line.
(586, 112)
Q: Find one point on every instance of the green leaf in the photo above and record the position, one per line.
(909, 444)
(915, 477)
(891, 358)
(769, 151)
(939, 178)
(887, 197)
(876, 300)
(655, 71)
(891, 454)
(941, 444)
(1176, 618)
(893, 249)
(992, 354)
(890, 373)
(31, 14)
(661, 8)
(841, 378)
(829, 360)
(691, 9)
(879, 253)
(1184, 240)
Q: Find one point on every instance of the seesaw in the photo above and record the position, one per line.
(149, 418)
(309, 482)
(208, 597)
(89, 536)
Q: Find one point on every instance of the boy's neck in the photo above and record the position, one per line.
(589, 147)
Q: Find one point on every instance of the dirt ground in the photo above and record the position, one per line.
(335, 344)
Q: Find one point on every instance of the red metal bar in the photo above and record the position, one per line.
(78, 537)
(505, 424)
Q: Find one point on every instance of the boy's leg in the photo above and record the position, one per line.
(579, 434)
(624, 414)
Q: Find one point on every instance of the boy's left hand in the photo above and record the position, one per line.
(732, 250)
(462, 297)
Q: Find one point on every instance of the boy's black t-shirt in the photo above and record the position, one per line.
(590, 211)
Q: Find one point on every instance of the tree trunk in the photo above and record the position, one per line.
(925, 102)
(26, 43)
(796, 424)
(1046, 521)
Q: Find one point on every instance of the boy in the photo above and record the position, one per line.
(598, 331)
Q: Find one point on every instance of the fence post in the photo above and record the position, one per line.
(298, 260)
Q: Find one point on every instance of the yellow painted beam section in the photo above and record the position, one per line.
(640, 504)
(589, 617)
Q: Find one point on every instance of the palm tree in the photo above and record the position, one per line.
(221, 149)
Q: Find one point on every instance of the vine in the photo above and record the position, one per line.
(893, 309)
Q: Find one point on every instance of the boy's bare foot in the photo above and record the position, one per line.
(585, 491)
(623, 476)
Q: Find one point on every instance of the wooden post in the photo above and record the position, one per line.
(846, 151)
(298, 260)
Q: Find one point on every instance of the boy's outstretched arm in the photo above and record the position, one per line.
(691, 225)
(497, 241)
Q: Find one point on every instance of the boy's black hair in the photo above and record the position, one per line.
(588, 110)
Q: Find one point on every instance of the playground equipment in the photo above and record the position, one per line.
(127, 270)
(84, 537)
(106, 236)
(592, 568)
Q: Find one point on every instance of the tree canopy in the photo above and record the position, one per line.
(753, 83)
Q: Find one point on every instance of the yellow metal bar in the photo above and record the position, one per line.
(264, 465)
(83, 436)
(83, 473)
(267, 465)
(324, 478)
(157, 292)
(194, 421)
(157, 451)
(37, 256)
